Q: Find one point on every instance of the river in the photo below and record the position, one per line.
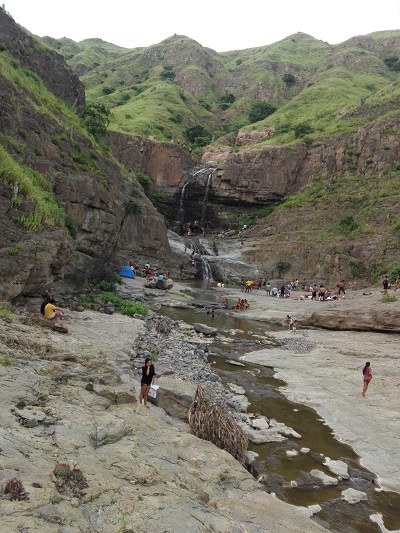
(274, 467)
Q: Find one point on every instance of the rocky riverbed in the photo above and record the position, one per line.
(90, 458)
(72, 399)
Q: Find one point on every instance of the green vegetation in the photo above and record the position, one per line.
(71, 226)
(357, 268)
(133, 208)
(394, 272)
(144, 180)
(5, 310)
(6, 360)
(126, 307)
(16, 249)
(282, 267)
(314, 89)
(260, 110)
(346, 226)
(252, 217)
(388, 298)
(96, 118)
(35, 189)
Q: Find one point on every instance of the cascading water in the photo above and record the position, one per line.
(207, 272)
(206, 193)
(181, 209)
(183, 193)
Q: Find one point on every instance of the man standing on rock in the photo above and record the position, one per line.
(386, 284)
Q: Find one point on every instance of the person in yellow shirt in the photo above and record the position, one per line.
(52, 312)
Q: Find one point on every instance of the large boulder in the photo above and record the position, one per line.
(204, 329)
(175, 396)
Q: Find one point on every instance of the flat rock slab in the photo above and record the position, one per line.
(339, 468)
(30, 417)
(237, 389)
(354, 496)
(326, 480)
(204, 329)
(233, 362)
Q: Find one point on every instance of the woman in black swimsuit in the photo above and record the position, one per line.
(148, 375)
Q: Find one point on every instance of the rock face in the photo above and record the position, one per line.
(47, 64)
(110, 219)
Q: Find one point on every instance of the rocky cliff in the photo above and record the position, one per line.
(105, 219)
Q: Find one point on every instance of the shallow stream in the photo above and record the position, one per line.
(274, 467)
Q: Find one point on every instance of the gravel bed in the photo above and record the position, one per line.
(298, 344)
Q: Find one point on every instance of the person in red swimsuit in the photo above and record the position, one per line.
(367, 375)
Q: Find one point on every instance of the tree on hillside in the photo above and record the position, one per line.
(289, 79)
(198, 135)
(260, 110)
(96, 118)
(167, 74)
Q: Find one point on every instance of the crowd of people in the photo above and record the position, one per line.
(317, 291)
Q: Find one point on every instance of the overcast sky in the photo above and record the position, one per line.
(216, 24)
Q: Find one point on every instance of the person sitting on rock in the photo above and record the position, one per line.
(52, 312)
(46, 300)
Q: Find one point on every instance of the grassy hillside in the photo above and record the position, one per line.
(165, 89)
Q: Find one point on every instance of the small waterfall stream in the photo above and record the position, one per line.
(206, 193)
(183, 194)
(207, 272)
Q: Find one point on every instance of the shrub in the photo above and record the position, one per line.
(96, 118)
(71, 226)
(14, 490)
(394, 272)
(260, 110)
(5, 309)
(16, 249)
(6, 360)
(194, 133)
(387, 298)
(392, 63)
(209, 421)
(133, 208)
(227, 98)
(127, 307)
(357, 268)
(289, 79)
(167, 74)
(106, 286)
(304, 128)
(347, 225)
(282, 267)
(144, 180)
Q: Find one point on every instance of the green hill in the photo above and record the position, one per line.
(166, 89)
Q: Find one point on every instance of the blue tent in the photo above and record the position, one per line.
(126, 272)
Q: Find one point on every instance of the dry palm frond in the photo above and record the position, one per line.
(211, 422)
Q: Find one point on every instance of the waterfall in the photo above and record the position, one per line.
(181, 209)
(204, 208)
(183, 193)
(207, 272)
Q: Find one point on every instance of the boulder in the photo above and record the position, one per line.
(339, 468)
(354, 496)
(175, 396)
(326, 480)
(204, 329)
(116, 395)
(239, 403)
